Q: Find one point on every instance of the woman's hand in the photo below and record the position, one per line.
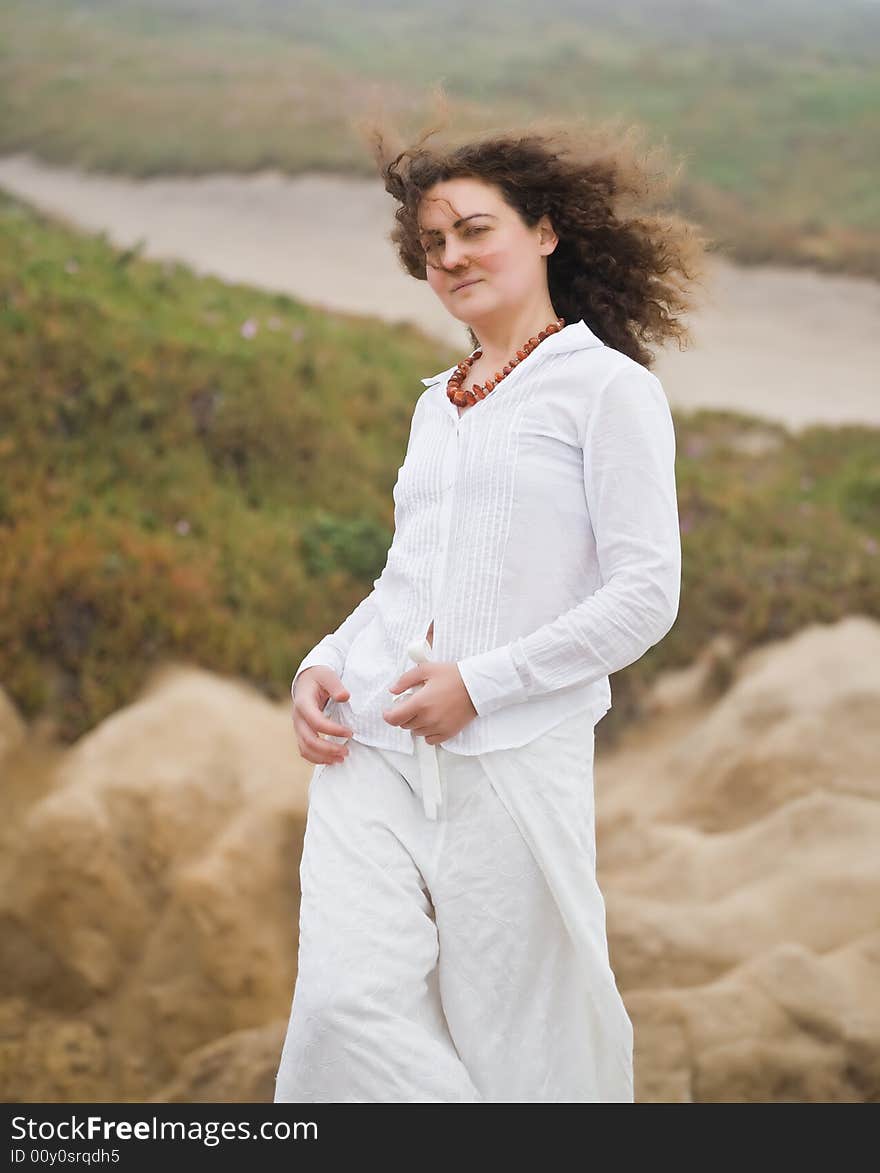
(314, 687)
(438, 709)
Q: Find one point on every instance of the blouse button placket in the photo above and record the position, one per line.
(448, 478)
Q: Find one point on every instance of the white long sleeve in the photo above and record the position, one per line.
(629, 481)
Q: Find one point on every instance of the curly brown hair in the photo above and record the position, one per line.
(624, 271)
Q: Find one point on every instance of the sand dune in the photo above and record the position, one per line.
(738, 851)
(150, 886)
(150, 899)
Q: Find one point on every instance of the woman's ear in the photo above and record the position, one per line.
(547, 235)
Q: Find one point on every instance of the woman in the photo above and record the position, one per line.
(452, 933)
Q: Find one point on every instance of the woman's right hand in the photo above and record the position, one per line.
(309, 694)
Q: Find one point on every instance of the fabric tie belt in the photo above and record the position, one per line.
(426, 755)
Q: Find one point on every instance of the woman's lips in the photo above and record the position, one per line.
(465, 284)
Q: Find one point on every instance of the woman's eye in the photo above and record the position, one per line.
(429, 245)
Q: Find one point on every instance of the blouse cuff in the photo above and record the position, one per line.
(491, 680)
(324, 654)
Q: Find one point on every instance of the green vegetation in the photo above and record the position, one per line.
(774, 109)
(188, 467)
(201, 471)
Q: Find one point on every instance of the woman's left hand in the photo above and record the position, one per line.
(436, 711)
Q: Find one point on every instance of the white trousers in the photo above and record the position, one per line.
(460, 958)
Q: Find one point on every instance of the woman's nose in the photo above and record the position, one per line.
(453, 254)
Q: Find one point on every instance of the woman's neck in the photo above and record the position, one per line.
(500, 340)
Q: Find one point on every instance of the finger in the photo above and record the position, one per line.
(322, 724)
(410, 679)
(317, 722)
(400, 714)
(313, 747)
(320, 752)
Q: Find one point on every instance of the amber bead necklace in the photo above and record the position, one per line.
(462, 397)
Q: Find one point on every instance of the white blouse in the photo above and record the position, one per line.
(539, 531)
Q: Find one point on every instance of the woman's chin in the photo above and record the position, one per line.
(459, 313)
(468, 310)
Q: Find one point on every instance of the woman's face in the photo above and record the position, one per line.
(469, 234)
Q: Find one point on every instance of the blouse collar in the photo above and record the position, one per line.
(575, 336)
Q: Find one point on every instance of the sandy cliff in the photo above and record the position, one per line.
(148, 905)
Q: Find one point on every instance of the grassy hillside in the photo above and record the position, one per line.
(775, 108)
(199, 470)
